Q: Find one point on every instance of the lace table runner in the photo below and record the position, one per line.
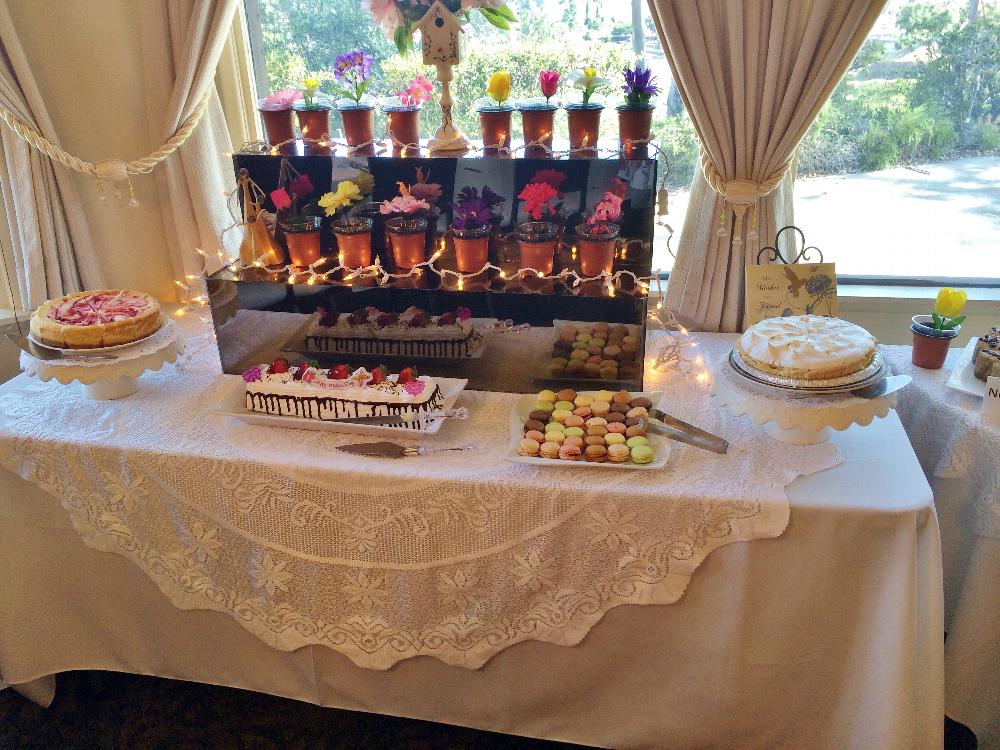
(456, 555)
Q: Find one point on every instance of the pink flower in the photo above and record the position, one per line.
(419, 91)
(426, 191)
(553, 177)
(281, 199)
(414, 387)
(609, 208)
(403, 204)
(282, 99)
(538, 197)
(386, 15)
(252, 375)
(619, 187)
(549, 80)
(463, 313)
(301, 186)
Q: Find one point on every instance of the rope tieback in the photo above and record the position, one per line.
(740, 195)
(107, 170)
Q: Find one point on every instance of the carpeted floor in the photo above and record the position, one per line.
(109, 711)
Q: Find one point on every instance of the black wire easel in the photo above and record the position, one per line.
(774, 254)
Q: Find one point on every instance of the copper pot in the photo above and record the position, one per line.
(404, 130)
(472, 249)
(584, 128)
(359, 129)
(930, 352)
(537, 242)
(279, 128)
(495, 127)
(407, 240)
(539, 125)
(596, 246)
(315, 124)
(354, 242)
(634, 127)
(302, 238)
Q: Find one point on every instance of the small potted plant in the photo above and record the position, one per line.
(495, 113)
(352, 72)
(932, 334)
(313, 113)
(635, 116)
(276, 113)
(538, 115)
(301, 229)
(538, 239)
(354, 234)
(597, 236)
(405, 218)
(585, 115)
(403, 116)
(471, 227)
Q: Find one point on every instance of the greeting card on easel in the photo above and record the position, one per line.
(790, 287)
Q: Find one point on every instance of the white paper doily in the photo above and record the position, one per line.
(103, 377)
(795, 418)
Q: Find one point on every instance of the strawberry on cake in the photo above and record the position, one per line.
(412, 333)
(309, 391)
(87, 320)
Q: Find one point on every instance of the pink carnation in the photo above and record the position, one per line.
(403, 204)
(463, 313)
(282, 99)
(281, 199)
(538, 197)
(609, 208)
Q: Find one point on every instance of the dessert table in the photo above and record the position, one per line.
(794, 610)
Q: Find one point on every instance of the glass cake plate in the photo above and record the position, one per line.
(233, 404)
(98, 349)
(523, 407)
(875, 371)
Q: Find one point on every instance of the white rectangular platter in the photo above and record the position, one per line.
(962, 377)
(233, 404)
(523, 406)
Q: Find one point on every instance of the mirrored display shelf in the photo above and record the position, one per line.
(262, 313)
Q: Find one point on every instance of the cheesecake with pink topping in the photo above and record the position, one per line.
(88, 320)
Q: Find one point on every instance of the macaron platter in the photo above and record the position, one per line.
(586, 428)
(609, 354)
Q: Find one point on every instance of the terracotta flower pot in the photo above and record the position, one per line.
(354, 241)
(584, 128)
(472, 249)
(302, 238)
(930, 346)
(537, 242)
(314, 124)
(634, 127)
(596, 246)
(407, 240)
(539, 123)
(359, 128)
(279, 128)
(404, 129)
(494, 122)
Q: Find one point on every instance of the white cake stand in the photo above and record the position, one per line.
(795, 418)
(106, 379)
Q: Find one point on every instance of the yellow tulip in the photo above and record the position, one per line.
(310, 84)
(499, 86)
(589, 74)
(950, 302)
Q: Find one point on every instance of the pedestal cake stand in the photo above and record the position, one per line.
(106, 379)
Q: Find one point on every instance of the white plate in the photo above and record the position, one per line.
(523, 407)
(95, 350)
(873, 373)
(962, 377)
(233, 404)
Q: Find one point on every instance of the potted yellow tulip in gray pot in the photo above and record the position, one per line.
(932, 334)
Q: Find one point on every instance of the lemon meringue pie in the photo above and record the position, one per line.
(807, 347)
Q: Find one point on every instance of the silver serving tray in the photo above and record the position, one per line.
(874, 372)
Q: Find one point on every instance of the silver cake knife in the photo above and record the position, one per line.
(675, 429)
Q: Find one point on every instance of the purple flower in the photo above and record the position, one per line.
(473, 211)
(353, 69)
(252, 375)
(639, 86)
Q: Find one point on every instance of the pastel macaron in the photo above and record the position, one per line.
(535, 435)
(596, 454)
(534, 424)
(636, 411)
(597, 431)
(632, 442)
(585, 412)
(618, 454)
(573, 440)
(566, 394)
(545, 406)
(573, 421)
(614, 438)
(539, 415)
(549, 396)
(554, 437)
(559, 415)
(642, 454)
(605, 396)
(528, 447)
(635, 431)
(554, 427)
(597, 422)
(575, 431)
(565, 405)
(600, 408)
(617, 427)
(570, 453)
(549, 450)
(583, 400)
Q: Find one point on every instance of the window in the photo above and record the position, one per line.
(898, 177)
(296, 37)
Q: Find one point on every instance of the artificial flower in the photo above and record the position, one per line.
(386, 15)
(553, 177)
(549, 80)
(538, 199)
(619, 187)
(463, 313)
(587, 80)
(418, 92)
(609, 208)
(421, 189)
(281, 199)
(639, 86)
(948, 308)
(301, 186)
(347, 193)
(404, 204)
(309, 88)
(282, 99)
(353, 71)
(473, 211)
(499, 87)
(365, 182)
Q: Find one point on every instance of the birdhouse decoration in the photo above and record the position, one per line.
(440, 36)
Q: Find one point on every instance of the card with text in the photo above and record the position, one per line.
(791, 289)
(991, 401)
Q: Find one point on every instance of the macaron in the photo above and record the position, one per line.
(617, 427)
(631, 421)
(597, 431)
(637, 411)
(612, 352)
(596, 454)
(565, 406)
(592, 370)
(544, 406)
(559, 415)
(635, 431)
(642, 454)
(573, 440)
(553, 427)
(597, 422)
(534, 424)
(554, 437)
(600, 408)
(600, 327)
(608, 373)
(566, 394)
(572, 453)
(539, 415)
(635, 440)
(535, 435)
(579, 355)
(614, 438)
(622, 397)
(573, 421)
(618, 454)
(615, 416)
(583, 411)
(549, 450)
(594, 440)
(575, 367)
(575, 431)
(583, 399)
(642, 401)
(528, 447)
(547, 395)
(604, 396)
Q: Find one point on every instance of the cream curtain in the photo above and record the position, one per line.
(182, 42)
(53, 250)
(753, 75)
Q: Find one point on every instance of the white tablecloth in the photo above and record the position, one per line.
(961, 458)
(829, 636)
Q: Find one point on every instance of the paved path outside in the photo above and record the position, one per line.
(896, 222)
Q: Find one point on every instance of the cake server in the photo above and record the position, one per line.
(394, 450)
(44, 353)
(675, 429)
(883, 387)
